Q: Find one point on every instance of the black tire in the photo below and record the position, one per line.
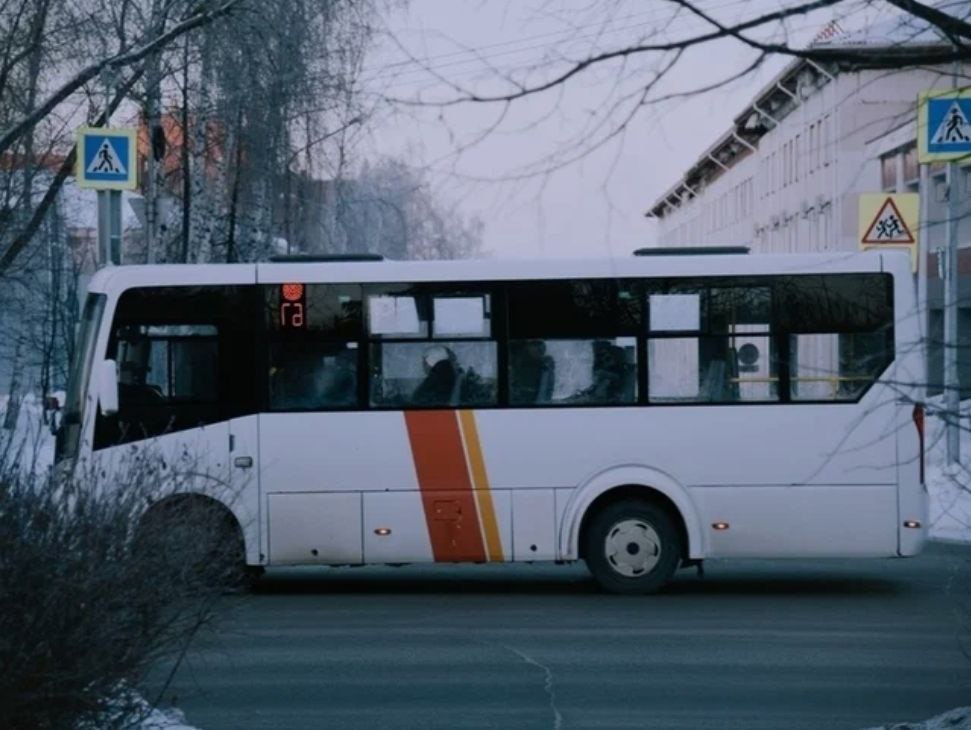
(632, 547)
(195, 542)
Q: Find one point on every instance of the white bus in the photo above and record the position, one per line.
(639, 414)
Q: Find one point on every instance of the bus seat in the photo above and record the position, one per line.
(547, 379)
(455, 399)
(713, 388)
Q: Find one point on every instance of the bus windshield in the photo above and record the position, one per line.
(69, 434)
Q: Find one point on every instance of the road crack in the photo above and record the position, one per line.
(547, 683)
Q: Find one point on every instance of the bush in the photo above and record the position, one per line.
(92, 593)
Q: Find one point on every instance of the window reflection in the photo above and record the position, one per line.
(313, 375)
(591, 372)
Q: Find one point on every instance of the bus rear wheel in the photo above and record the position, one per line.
(632, 547)
(196, 541)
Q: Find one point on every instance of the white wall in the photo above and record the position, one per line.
(798, 191)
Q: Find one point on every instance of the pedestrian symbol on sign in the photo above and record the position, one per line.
(944, 125)
(107, 160)
(954, 127)
(888, 226)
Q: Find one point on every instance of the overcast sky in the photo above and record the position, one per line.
(487, 160)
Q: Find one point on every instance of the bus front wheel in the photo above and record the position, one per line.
(632, 547)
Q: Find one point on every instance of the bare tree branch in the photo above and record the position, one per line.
(118, 61)
(895, 57)
(50, 195)
(954, 28)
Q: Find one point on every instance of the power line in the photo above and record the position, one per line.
(421, 73)
(527, 43)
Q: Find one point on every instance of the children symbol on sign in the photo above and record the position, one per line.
(889, 228)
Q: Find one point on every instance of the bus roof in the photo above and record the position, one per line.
(115, 279)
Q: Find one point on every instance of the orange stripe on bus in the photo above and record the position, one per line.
(480, 482)
(446, 490)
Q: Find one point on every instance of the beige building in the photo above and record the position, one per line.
(786, 176)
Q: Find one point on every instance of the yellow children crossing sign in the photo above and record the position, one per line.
(889, 220)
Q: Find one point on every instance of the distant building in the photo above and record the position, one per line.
(787, 175)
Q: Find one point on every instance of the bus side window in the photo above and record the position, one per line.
(166, 363)
(573, 342)
(185, 357)
(309, 375)
(710, 341)
(839, 330)
(167, 381)
(431, 347)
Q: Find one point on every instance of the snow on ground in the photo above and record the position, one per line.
(31, 437)
(956, 719)
(133, 712)
(152, 718)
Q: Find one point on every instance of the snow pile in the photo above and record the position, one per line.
(31, 438)
(152, 718)
(949, 485)
(133, 712)
(956, 719)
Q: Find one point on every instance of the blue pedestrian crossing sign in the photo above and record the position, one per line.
(944, 125)
(106, 159)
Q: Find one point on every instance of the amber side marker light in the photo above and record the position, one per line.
(913, 524)
(719, 525)
(382, 531)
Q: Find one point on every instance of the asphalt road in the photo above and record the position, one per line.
(754, 644)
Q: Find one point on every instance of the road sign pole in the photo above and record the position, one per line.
(104, 229)
(923, 246)
(944, 135)
(952, 384)
(109, 227)
(115, 225)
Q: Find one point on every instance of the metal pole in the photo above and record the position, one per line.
(923, 246)
(109, 227)
(104, 229)
(115, 222)
(952, 385)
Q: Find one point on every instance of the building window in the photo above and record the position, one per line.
(812, 147)
(911, 168)
(795, 159)
(827, 151)
(888, 171)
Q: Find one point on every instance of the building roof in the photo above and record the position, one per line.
(902, 29)
(797, 81)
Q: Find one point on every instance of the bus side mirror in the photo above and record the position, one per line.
(108, 387)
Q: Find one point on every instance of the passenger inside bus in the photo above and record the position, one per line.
(532, 373)
(613, 377)
(442, 378)
(133, 370)
(304, 380)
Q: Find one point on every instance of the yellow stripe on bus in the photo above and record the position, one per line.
(480, 482)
